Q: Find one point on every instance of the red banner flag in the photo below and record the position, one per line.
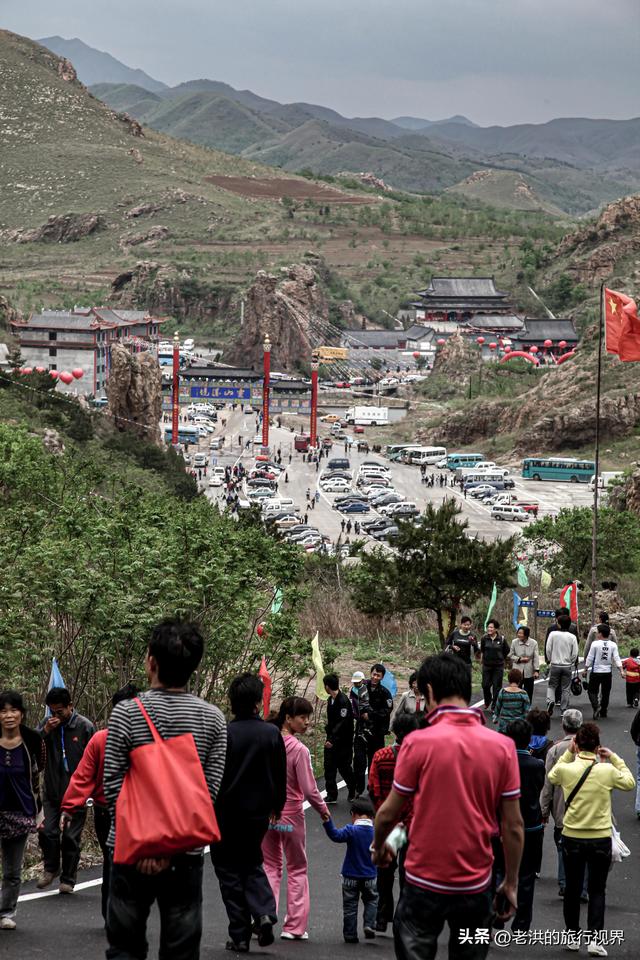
(629, 341)
(569, 599)
(617, 308)
(265, 676)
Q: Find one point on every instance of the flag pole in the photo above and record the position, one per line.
(594, 525)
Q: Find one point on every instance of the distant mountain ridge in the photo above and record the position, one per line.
(572, 164)
(96, 66)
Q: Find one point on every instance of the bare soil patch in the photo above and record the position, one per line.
(264, 188)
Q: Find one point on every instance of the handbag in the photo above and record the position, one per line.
(576, 684)
(164, 807)
(619, 850)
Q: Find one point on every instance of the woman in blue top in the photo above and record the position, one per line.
(512, 702)
(22, 755)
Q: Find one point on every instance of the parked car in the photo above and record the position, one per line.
(387, 533)
(215, 480)
(354, 506)
(376, 523)
(329, 418)
(260, 493)
(388, 496)
(375, 463)
(349, 498)
(504, 511)
(358, 429)
(289, 520)
(528, 506)
(200, 460)
(339, 463)
(483, 489)
(215, 443)
(335, 485)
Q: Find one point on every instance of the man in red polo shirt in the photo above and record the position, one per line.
(454, 764)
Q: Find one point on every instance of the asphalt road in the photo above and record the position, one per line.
(52, 927)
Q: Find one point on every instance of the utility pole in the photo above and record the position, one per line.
(265, 393)
(175, 408)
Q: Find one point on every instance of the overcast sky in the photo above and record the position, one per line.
(496, 61)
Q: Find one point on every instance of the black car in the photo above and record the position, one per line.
(508, 483)
(350, 498)
(379, 523)
(339, 463)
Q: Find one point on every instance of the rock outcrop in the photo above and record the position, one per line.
(151, 235)
(141, 209)
(163, 289)
(64, 228)
(285, 308)
(135, 393)
(7, 312)
(595, 250)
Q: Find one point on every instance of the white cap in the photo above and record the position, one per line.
(358, 675)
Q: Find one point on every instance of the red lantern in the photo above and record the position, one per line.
(77, 373)
(66, 377)
(260, 629)
(441, 342)
(548, 343)
(26, 370)
(416, 355)
(54, 374)
(480, 340)
(533, 349)
(493, 346)
(507, 349)
(562, 344)
(40, 370)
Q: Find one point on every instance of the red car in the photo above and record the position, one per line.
(263, 474)
(531, 508)
(343, 385)
(358, 429)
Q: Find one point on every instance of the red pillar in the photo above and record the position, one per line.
(265, 394)
(314, 401)
(175, 411)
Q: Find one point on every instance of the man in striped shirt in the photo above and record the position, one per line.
(454, 764)
(175, 650)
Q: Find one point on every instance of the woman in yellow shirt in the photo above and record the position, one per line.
(588, 773)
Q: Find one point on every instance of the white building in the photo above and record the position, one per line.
(81, 338)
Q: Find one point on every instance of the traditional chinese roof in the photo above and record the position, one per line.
(494, 321)
(461, 288)
(372, 338)
(538, 330)
(419, 331)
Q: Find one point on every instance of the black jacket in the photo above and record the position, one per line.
(254, 783)
(339, 726)
(531, 783)
(635, 729)
(380, 707)
(77, 732)
(467, 642)
(495, 650)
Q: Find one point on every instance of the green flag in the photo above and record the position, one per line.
(492, 603)
(523, 580)
(277, 602)
(545, 580)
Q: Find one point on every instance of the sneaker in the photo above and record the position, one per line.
(265, 931)
(369, 933)
(584, 897)
(330, 802)
(6, 923)
(573, 943)
(285, 935)
(241, 947)
(596, 713)
(603, 714)
(66, 888)
(636, 702)
(550, 707)
(381, 926)
(596, 949)
(46, 879)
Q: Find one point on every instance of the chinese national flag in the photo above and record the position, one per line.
(621, 325)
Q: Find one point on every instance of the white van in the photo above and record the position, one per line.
(503, 511)
(278, 504)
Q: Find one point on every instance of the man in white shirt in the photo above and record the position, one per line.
(600, 660)
(562, 654)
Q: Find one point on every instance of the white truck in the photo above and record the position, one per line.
(368, 416)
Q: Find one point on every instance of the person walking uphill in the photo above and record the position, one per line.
(253, 789)
(175, 651)
(562, 655)
(286, 838)
(448, 871)
(338, 748)
(495, 650)
(87, 782)
(358, 872)
(512, 703)
(588, 773)
(66, 735)
(380, 708)
(22, 758)
(602, 656)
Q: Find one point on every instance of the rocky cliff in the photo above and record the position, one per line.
(167, 290)
(594, 252)
(135, 393)
(285, 307)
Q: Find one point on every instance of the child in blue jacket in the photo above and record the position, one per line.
(358, 872)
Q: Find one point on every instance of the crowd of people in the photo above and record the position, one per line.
(254, 776)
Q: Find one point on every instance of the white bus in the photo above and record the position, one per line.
(427, 455)
(367, 416)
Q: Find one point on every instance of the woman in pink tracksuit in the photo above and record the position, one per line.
(286, 838)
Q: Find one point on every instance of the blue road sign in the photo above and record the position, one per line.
(546, 613)
(527, 603)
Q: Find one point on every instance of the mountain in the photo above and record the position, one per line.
(95, 66)
(415, 123)
(504, 188)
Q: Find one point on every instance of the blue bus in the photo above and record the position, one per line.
(186, 433)
(558, 468)
(456, 460)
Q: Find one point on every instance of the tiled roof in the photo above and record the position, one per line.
(371, 338)
(489, 321)
(462, 287)
(548, 329)
(419, 332)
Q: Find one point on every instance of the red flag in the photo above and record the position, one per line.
(569, 598)
(265, 676)
(616, 307)
(629, 340)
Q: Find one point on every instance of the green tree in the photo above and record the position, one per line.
(436, 567)
(564, 542)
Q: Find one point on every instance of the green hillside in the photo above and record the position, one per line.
(503, 188)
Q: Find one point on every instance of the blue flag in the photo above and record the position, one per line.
(55, 680)
(390, 682)
(516, 609)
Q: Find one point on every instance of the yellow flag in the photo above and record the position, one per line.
(316, 658)
(545, 580)
(524, 612)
